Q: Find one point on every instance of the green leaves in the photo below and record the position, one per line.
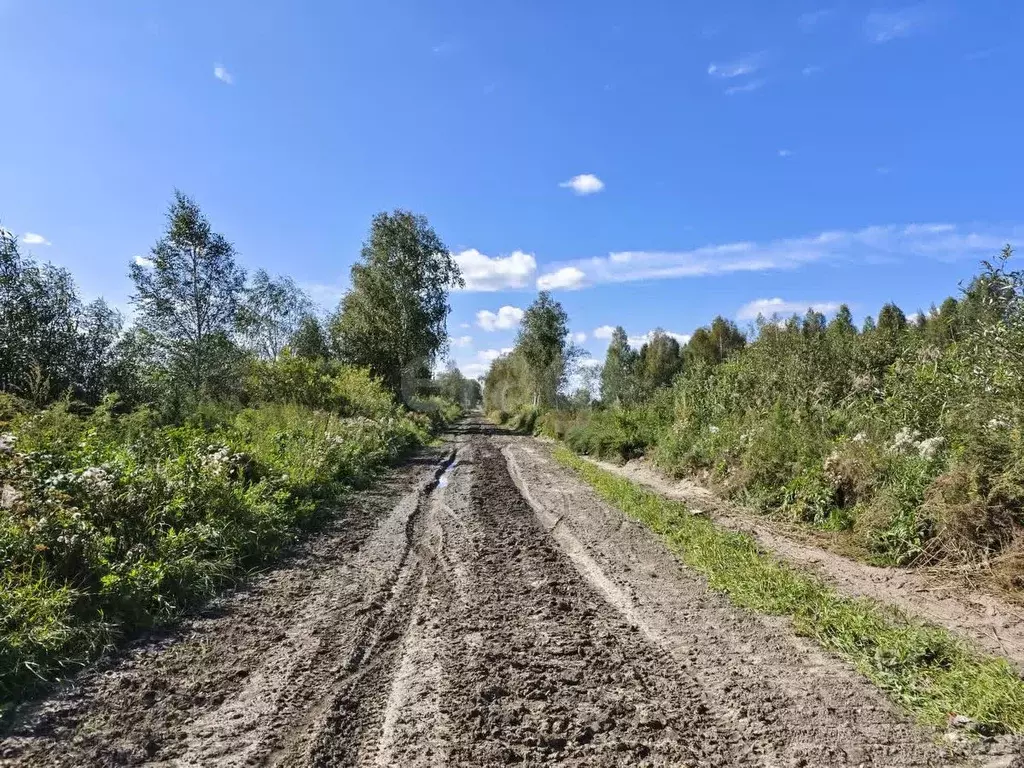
(393, 319)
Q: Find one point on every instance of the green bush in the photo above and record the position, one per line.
(109, 523)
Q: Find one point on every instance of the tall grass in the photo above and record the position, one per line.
(110, 523)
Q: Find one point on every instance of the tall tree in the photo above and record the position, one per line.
(659, 361)
(187, 296)
(99, 352)
(271, 313)
(715, 344)
(842, 323)
(310, 339)
(891, 319)
(39, 318)
(542, 344)
(619, 362)
(393, 319)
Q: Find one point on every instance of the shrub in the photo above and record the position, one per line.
(109, 523)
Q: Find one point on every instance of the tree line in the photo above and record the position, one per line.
(199, 320)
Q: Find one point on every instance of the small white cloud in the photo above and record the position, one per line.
(223, 75)
(753, 85)
(748, 65)
(914, 317)
(462, 341)
(502, 320)
(604, 332)
(584, 184)
(639, 341)
(142, 261)
(591, 362)
(490, 355)
(498, 273)
(811, 69)
(465, 325)
(442, 48)
(579, 337)
(883, 170)
(769, 308)
(566, 277)
(884, 26)
(32, 238)
(785, 152)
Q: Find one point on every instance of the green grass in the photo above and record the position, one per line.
(921, 667)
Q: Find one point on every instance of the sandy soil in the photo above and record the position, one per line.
(985, 620)
(482, 607)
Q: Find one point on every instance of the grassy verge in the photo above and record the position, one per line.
(921, 667)
(110, 524)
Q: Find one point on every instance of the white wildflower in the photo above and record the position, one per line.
(860, 437)
(1000, 422)
(7, 442)
(96, 479)
(929, 449)
(906, 441)
(713, 429)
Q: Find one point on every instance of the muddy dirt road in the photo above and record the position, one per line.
(481, 607)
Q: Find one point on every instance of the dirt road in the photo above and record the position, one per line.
(481, 607)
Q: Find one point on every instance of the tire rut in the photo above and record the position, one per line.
(481, 609)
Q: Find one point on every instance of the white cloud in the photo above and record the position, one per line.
(142, 261)
(579, 337)
(31, 238)
(785, 152)
(465, 325)
(639, 341)
(884, 26)
(811, 69)
(748, 65)
(474, 370)
(883, 170)
(768, 308)
(223, 75)
(591, 362)
(498, 273)
(604, 332)
(504, 319)
(753, 85)
(939, 241)
(584, 184)
(462, 341)
(565, 277)
(914, 317)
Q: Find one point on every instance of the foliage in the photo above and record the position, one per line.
(50, 343)
(618, 370)
(187, 295)
(392, 321)
(542, 344)
(923, 668)
(310, 339)
(272, 312)
(108, 523)
(234, 424)
(906, 435)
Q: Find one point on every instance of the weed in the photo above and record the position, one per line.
(923, 668)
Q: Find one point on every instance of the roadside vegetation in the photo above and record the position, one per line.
(921, 667)
(903, 439)
(144, 468)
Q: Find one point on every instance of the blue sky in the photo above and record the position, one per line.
(654, 163)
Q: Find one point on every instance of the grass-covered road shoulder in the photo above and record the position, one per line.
(923, 668)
